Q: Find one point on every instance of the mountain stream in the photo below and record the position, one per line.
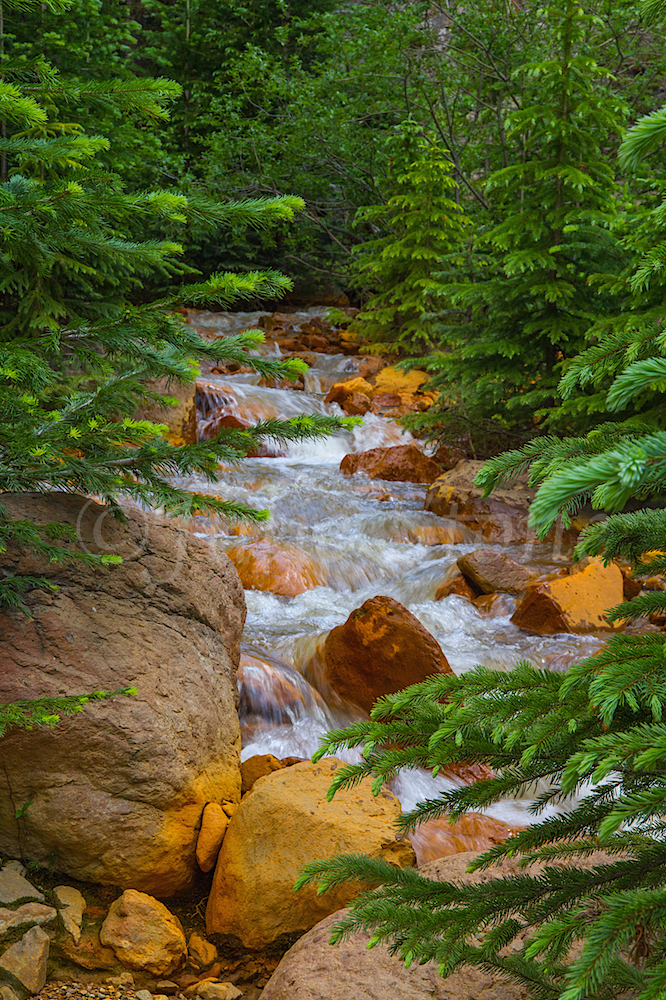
(365, 537)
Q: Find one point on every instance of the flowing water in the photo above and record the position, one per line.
(365, 538)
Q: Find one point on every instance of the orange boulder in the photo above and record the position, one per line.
(402, 463)
(370, 365)
(576, 603)
(354, 397)
(394, 379)
(356, 404)
(380, 649)
(278, 568)
(285, 822)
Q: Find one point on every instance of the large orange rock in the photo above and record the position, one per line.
(139, 770)
(370, 364)
(394, 379)
(576, 603)
(381, 648)
(438, 838)
(356, 404)
(279, 568)
(402, 463)
(489, 571)
(284, 822)
(341, 390)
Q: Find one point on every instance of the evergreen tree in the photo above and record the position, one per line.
(419, 225)
(77, 350)
(526, 303)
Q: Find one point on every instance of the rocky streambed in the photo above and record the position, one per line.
(182, 815)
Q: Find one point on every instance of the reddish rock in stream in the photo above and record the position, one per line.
(438, 838)
(278, 568)
(380, 649)
(490, 571)
(403, 463)
(350, 395)
(458, 585)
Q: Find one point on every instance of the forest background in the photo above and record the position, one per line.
(458, 165)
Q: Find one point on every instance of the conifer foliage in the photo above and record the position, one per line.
(523, 294)
(421, 224)
(591, 746)
(79, 349)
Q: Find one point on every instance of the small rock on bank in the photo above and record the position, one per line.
(143, 934)
(26, 960)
